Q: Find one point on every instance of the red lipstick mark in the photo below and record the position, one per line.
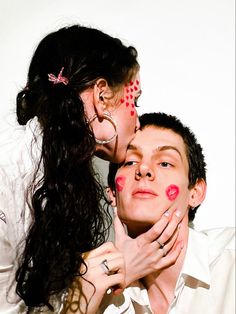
(172, 192)
(120, 183)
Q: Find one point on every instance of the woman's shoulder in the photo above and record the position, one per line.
(19, 145)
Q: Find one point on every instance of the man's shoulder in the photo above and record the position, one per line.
(224, 238)
(221, 244)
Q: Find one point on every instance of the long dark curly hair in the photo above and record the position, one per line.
(68, 217)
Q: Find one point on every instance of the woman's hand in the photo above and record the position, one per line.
(105, 274)
(151, 251)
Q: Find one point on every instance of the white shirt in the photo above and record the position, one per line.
(206, 284)
(20, 148)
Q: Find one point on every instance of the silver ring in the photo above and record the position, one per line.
(161, 244)
(164, 251)
(105, 267)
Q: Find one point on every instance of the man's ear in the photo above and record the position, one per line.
(197, 193)
(111, 194)
(100, 88)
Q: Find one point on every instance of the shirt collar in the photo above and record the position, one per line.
(196, 266)
(138, 293)
(196, 262)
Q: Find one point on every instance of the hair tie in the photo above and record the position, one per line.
(59, 79)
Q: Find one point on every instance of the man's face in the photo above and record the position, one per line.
(153, 177)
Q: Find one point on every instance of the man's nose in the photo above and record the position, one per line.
(144, 171)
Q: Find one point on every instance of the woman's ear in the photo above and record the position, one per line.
(100, 89)
(111, 195)
(197, 193)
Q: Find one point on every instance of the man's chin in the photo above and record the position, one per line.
(136, 228)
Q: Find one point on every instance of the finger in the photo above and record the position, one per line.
(102, 249)
(96, 261)
(115, 263)
(120, 233)
(156, 230)
(170, 228)
(173, 255)
(115, 282)
(164, 249)
(115, 279)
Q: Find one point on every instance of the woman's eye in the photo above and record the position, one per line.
(136, 102)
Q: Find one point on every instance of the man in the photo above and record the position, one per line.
(165, 167)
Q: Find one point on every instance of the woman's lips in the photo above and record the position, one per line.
(144, 193)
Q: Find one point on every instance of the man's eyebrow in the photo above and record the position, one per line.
(133, 147)
(168, 147)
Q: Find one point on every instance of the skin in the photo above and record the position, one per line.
(120, 105)
(100, 100)
(155, 163)
(162, 154)
(156, 176)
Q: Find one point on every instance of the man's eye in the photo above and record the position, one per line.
(129, 163)
(165, 164)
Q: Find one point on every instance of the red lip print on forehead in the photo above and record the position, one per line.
(172, 192)
(120, 183)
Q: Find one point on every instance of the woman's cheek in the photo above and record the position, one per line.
(128, 99)
(172, 191)
(120, 183)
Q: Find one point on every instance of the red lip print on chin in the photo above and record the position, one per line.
(172, 192)
(120, 183)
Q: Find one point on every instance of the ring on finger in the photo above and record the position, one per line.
(105, 267)
(161, 244)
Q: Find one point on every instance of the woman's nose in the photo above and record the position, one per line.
(144, 171)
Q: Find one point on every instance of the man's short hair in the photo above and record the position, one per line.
(194, 152)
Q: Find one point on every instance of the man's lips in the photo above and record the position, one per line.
(144, 193)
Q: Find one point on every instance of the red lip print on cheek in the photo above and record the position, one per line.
(172, 192)
(120, 183)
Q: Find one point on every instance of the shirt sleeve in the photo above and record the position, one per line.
(9, 302)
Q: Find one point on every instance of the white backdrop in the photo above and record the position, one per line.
(186, 51)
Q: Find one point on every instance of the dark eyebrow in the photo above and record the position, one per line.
(136, 148)
(133, 147)
(167, 147)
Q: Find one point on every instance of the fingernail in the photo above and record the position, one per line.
(179, 225)
(167, 213)
(177, 213)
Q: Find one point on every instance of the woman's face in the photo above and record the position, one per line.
(122, 108)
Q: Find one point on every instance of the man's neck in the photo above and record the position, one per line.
(161, 285)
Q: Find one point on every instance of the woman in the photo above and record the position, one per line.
(79, 100)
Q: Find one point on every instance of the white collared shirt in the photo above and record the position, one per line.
(20, 148)
(206, 284)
